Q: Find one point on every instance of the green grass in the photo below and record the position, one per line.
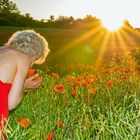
(111, 113)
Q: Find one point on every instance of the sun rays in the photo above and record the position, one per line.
(110, 45)
(102, 50)
(78, 40)
(81, 38)
(125, 50)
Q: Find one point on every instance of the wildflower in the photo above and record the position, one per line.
(85, 84)
(93, 90)
(79, 80)
(91, 80)
(73, 93)
(55, 75)
(74, 86)
(59, 88)
(124, 71)
(60, 124)
(50, 136)
(109, 83)
(116, 69)
(31, 72)
(37, 79)
(124, 78)
(25, 122)
(69, 78)
(106, 71)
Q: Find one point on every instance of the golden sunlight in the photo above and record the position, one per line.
(112, 25)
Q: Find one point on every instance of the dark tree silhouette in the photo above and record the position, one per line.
(52, 18)
(10, 16)
(7, 6)
(90, 18)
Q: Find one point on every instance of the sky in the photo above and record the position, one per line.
(109, 11)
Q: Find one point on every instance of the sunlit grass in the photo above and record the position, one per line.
(109, 113)
(80, 39)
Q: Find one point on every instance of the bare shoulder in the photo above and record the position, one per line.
(11, 63)
(21, 58)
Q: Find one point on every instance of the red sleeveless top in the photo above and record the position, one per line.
(4, 91)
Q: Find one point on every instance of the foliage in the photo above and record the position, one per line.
(8, 7)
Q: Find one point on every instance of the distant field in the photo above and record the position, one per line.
(59, 39)
(74, 46)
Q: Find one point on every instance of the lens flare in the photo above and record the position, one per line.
(112, 25)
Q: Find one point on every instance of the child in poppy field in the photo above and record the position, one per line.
(23, 49)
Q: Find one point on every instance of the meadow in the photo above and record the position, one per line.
(90, 88)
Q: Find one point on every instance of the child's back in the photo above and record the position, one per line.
(9, 59)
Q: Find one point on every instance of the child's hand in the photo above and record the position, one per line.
(32, 82)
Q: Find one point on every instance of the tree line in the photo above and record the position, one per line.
(11, 16)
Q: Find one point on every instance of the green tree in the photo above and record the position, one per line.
(7, 6)
(52, 18)
(90, 18)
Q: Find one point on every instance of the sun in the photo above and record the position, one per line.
(111, 24)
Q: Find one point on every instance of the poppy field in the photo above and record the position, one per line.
(81, 96)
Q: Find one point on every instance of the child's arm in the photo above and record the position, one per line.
(17, 88)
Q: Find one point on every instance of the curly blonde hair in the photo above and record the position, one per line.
(30, 43)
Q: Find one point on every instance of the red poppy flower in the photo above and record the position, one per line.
(106, 71)
(25, 122)
(124, 71)
(37, 79)
(116, 69)
(124, 78)
(109, 83)
(60, 124)
(59, 88)
(91, 80)
(50, 136)
(79, 80)
(85, 84)
(69, 79)
(55, 75)
(74, 86)
(31, 72)
(73, 93)
(93, 90)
